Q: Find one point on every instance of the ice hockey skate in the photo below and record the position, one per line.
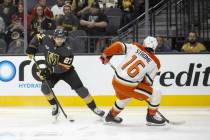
(154, 120)
(55, 113)
(98, 112)
(110, 119)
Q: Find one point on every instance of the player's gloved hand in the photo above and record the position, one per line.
(105, 59)
(30, 56)
(44, 73)
(31, 51)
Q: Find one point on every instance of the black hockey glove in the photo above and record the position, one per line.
(31, 52)
(44, 73)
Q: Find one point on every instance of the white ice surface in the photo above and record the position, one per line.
(36, 124)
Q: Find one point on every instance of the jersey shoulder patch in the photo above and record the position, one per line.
(40, 36)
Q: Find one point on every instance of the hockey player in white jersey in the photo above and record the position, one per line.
(134, 78)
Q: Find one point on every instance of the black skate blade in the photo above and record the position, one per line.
(176, 122)
(111, 123)
(154, 124)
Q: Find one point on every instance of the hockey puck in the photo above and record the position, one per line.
(71, 120)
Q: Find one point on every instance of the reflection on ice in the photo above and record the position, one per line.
(36, 124)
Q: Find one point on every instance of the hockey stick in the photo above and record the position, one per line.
(46, 82)
(161, 115)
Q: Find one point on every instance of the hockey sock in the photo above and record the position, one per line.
(90, 102)
(92, 105)
(114, 112)
(119, 105)
(52, 102)
(87, 98)
(116, 109)
(51, 99)
(152, 111)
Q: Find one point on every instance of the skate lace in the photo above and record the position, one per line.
(54, 107)
(117, 118)
(157, 118)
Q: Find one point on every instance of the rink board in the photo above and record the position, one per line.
(167, 100)
(183, 80)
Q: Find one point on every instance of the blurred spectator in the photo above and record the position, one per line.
(193, 45)
(68, 2)
(2, 25)
(127, 7)
(94, 22)
(17, 44)
(82, 6)
(7, 9)
(20, 16)
(164, 45)
(3, 46)
(128, 38)
(57, 9)
(31, 5)
(2, 34)
(1, 1)
(42, 2)
(69, 21)
(16, 27)
(139, 7)
(108, 3)
(17, 1)
(40, 22)
(47, 12)
(50, 3)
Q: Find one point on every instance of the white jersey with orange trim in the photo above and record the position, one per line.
(137, 66)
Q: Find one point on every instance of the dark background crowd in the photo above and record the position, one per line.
(93, 20)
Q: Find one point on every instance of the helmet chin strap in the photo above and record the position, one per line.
(150, 50)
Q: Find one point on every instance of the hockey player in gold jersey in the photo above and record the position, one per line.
(59, 57)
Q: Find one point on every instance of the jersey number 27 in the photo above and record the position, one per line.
(67, 60)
